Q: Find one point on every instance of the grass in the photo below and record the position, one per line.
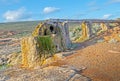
(2, 67)
(19, 26)
(22, 28)
(45, 46)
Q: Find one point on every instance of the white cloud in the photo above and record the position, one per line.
(114, 1)
(107, 16)
(95, 8)
(15, 15)
(8, 1)
(48, 10)
(92, 3)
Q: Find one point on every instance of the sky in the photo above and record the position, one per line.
(30, 10)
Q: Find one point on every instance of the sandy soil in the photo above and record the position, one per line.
(102, 61)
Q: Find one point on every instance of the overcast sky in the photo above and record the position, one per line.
(29, 10)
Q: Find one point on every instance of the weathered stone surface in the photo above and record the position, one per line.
(78, 77)
(1, 61)
(14, 59)
(51, 73)
(37, 48)
(30, 52)
(112, 36)
(58, 31)
(85, 33)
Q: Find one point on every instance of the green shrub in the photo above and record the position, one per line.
(46, 46)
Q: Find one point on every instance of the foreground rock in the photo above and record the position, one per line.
(50, 73)
(102, 61)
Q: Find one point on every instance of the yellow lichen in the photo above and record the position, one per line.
(36, 31)
(84, 33)
(24, 49)
(113, 34)
(103, 28)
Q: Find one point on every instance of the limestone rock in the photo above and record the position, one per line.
(30, 52)
(14, 59)
(1, 61)
(112, 41)
(78, 77)
(51, 73)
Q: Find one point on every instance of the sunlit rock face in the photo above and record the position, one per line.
(30, 53)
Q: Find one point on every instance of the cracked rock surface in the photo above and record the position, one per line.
(50, 73)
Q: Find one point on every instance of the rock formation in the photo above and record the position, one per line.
(51, 73)
(46, 40)
(85, 32)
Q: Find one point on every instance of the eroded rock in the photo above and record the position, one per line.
(51, 73)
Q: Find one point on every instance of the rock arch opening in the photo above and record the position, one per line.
(51, 28)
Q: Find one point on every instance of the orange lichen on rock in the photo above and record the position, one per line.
(30, 53)
(113, 34)
(37, 29)
(103, 28)
(35, 50)
(24, 50)
(84, 33)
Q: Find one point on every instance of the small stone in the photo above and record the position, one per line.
(1, 61)
(78, 77)
(3, 56)
(58, 56)
(9, 56)
(112, 41)
(101, 40)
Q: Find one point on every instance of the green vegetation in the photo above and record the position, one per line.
(2, 67)
(45, 46)
(19, 26)
(22, 28)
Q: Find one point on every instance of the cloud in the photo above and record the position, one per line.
(48, 10)
(93, 6)
(107, 16)
(113, 1)
(95, 9)
(15, 15)
(79, 15)
(8, 1)
(92, 3)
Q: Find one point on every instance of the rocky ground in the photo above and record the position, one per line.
(50, 73)
(102, 61)
(96, 60)
(8, 44)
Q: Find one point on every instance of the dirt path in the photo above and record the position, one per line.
(102, 61)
